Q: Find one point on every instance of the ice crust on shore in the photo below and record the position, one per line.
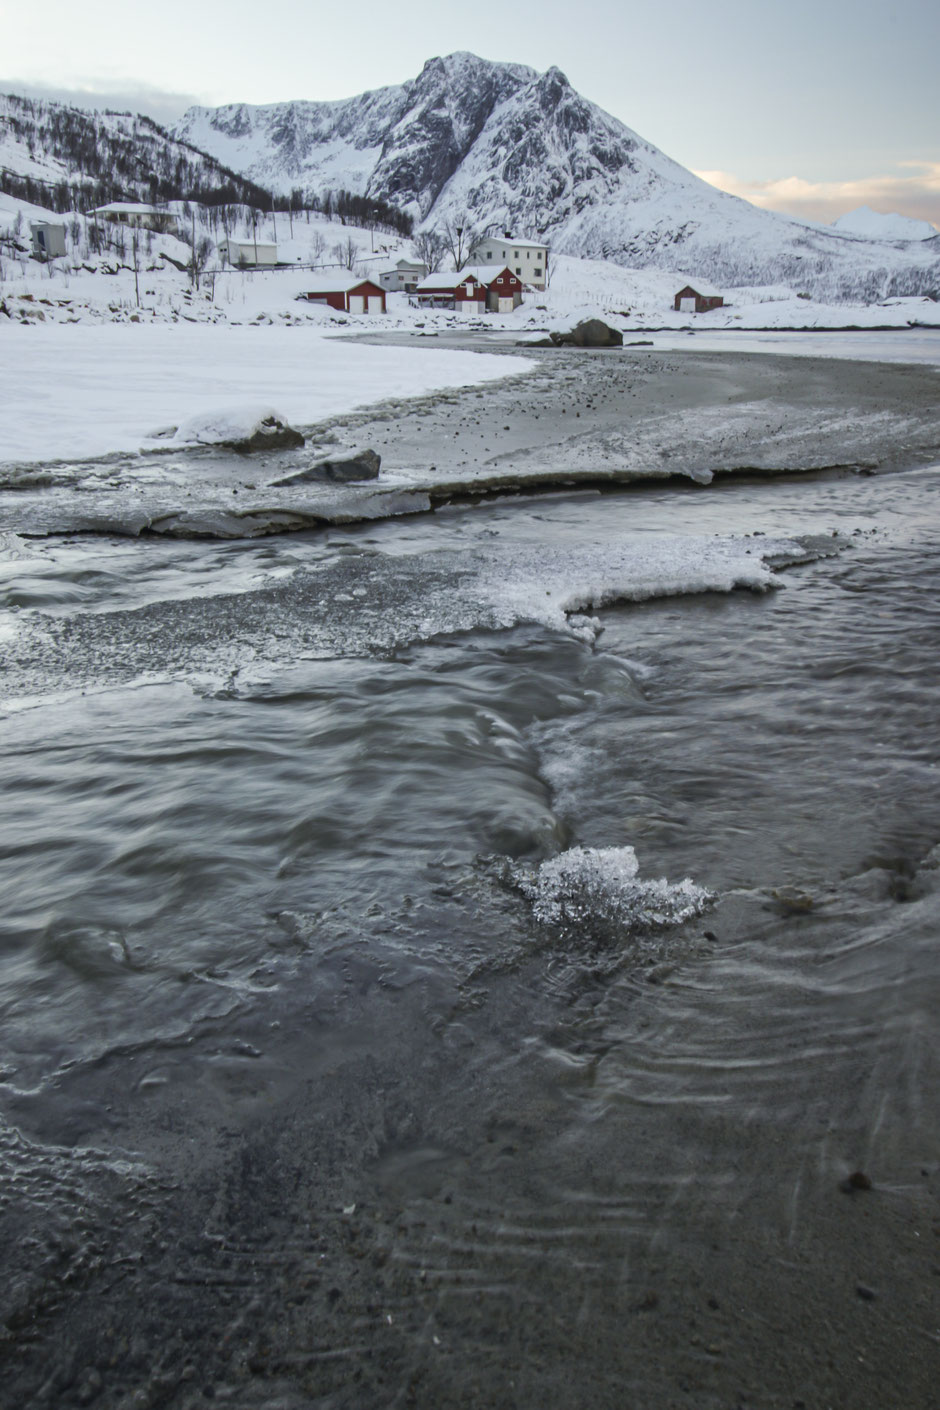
(558, 587)
(591, 884)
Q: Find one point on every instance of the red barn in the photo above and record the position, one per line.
(462, 292)
(490, 287)
(347, 293)
(700, 300)
(503, 288)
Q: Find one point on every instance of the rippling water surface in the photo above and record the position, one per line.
(306, 1104)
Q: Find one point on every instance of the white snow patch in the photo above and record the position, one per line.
(87, 390)
(226, 424)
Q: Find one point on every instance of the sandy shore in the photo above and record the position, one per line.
(638, 413)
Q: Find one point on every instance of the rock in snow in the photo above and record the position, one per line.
(361, 465)
(243, 429)
(500, 147)
(591, 333)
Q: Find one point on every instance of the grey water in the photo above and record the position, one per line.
(301, 1103)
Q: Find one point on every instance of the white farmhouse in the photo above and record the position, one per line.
(404, 274)
(248, 253)
(528, 259)
(136, 214)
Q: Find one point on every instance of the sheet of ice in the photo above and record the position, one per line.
(916, 345)
(79, 391)
(589, 885)
(550, 585)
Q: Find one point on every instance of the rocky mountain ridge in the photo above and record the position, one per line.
(501, 147)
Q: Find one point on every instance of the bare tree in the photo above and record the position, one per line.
(317, 247)
(346, 252)
(199, 258)
(430, 248)
(459, 239)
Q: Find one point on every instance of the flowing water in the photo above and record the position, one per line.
(320, 1086)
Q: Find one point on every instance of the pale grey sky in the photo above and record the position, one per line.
(810, 105)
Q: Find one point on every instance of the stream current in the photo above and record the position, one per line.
(305, 1102)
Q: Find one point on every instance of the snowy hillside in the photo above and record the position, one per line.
(873, 225)
(65, 158)
(500, 147)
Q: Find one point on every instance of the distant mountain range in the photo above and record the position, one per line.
(500, 147)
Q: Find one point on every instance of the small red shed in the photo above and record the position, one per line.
(700, 300)
(346, 293)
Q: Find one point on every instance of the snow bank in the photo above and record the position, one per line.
(74, 392)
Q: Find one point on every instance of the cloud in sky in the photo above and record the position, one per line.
(163, 105)
(917, 195)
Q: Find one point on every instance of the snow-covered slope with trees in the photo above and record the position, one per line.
(500, 147)
(65, 158)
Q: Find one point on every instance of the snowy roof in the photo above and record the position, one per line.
(485, 273)
(439, 281)
(130, 208)
(510, 240)
(247, 244)
(339, 283)
(701, 286)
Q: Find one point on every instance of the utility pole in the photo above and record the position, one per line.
(136, 280)
(193, 208)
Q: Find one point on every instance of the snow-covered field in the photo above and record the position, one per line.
(75, 392)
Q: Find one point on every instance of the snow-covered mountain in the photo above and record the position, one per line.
(874, 225)
(501, 147)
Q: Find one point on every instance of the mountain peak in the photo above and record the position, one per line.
(500, 146)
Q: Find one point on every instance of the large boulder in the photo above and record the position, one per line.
(338, 470)
(591, 333)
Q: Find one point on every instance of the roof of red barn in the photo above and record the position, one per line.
(702, 287)
(485, 273)
(435, 282)
(341, 283)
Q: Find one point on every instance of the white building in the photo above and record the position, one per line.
(248, 253)
(528, 259)
(138, 215)
(48, 239)
(404, 274)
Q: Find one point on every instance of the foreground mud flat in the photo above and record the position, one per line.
(319, 1088)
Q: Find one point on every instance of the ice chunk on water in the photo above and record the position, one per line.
(590, 884)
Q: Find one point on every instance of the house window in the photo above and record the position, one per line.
(518, 270)
(500, 279)
(537, 271)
